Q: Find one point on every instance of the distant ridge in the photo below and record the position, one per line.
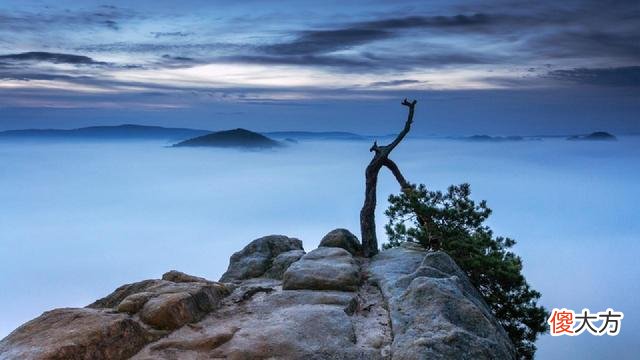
(122, 132)
(595, 136)
(232, 138)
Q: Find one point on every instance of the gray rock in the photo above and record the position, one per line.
(257, 257)
(435, 311)
(166, 305)
(76, 334)
(325, 268)
(342, 238)
(291, 324)
(413, 304)
(282, 262)
(177, 276)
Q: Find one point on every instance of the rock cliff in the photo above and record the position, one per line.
(276, 301)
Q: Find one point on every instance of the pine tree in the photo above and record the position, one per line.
(454, 223)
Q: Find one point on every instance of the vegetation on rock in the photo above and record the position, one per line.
(454, 223)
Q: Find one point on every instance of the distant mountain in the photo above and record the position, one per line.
(232, 138)
(132, 132)
(595, 136)
(487, 138)
(310, 135)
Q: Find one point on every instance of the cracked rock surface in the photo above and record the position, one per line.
(276, 302)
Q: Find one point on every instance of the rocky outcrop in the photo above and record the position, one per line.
(323, 269)
(257, 258)
(435, 311)
(278, 303)
(70, 334)
(163, 304)
(118, 325)
(342, 238)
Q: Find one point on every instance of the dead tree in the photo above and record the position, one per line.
(380, 159)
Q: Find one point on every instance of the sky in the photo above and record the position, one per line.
(501, 67)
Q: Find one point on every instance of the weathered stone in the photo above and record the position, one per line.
(320, 310)
(163, 304)
(342, 238)
(256, 258)
(70, 334)
(325, 268)
(435, 311)
(282, 262)
(177, 276)
(134, 302)
(292, 324)
(176, 304)
(112, 300)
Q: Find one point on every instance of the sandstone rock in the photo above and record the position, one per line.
(256, 258)
(435, 311)
(166, 305)
(134, 302)
(282, 262)
(406, 303)
(342, 238)
(112, 300)
(177, 276)
(291, 324)
(325, 268)
(70, 334)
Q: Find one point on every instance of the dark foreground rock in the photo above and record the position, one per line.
(323, 269)
(278, 303)
(72, 334)
(342, 238)
(435, 311)
(255, 259)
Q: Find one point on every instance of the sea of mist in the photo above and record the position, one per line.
(79, 219)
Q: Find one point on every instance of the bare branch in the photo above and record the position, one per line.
(407, 125)
(404, 185)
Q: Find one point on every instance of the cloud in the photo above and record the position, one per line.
(358, 33)
(171, 34)
(319, 42)
(621, 76)
(395, 82)
(106, 16)
(56, 58)
(461, 21)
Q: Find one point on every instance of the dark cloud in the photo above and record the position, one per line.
(621, 76)
(408, 22)
(395, 82)
(319, 42)
(177, 58)
(359, 33)
(106, 16)
(56, 58)
(171, 34)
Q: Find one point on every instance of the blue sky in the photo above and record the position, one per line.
(497, 67)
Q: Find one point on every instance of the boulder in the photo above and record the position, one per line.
(282, 262)
(435, 311)
(325, 268)
(177, 276)
(255, 259)
(70, 334)
(163, 304)
(342, 238)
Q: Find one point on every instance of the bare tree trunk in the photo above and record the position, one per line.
(380, 159)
